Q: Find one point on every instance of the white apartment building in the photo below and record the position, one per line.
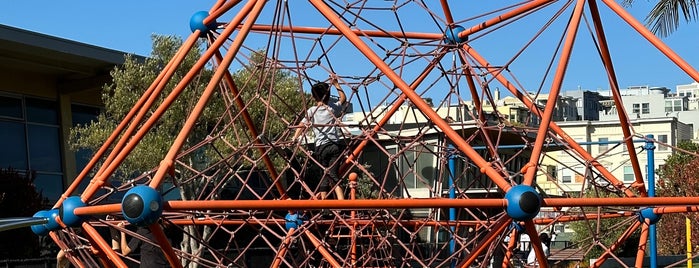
(602, 140)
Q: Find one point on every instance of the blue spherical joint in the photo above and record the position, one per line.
(40, 229)
(452, 35)
(67, 211)
(196, 22)
(523, 202)
(294, 220)
(142, 205)
(648, 213)
(52, 224)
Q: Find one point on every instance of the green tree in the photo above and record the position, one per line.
(665, 16)
(678, 177)
(605, 231)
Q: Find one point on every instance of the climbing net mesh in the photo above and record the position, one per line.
(433, 171)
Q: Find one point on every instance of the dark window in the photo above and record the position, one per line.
(12, 140)
(42, 111)
(44, 148)
(11, 107)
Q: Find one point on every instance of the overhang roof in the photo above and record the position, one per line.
(70, 62)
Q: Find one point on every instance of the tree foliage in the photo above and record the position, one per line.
(678, 177)
(592, 233)
(665, 16)
(19, 198)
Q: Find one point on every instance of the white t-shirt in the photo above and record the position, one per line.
(531, 258)
(323, 118)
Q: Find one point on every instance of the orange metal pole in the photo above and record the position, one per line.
(511, 14)
(97, 209)
(334, 31)
(447, 12)
(546, 118)
(165, 246)
(495, 230)
(168, 162)
(642, 244)
(636, 201)
(616, 95)
(219, 9)
(638, 26)
(253, 129)
(458, 141)
(353, 216)
(602, 258)
(510, 248)
(335, 204)
(105, 249)
(682, 209)
(62, 246)
(536, 246)
(407, 223)
(323, 251)
(282, 251)
(140, 108)
(564, 136)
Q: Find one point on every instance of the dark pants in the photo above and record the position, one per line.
(328, 155)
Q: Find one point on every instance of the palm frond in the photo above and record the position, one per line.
(664, 18)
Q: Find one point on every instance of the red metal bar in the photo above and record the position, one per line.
(511, 14)
(624, 122)
(362, 222)
(682, 209)
(253, 129)
(495, 230)
(546, 117)
(602, 258)
(335, 204)
(333, 31)
(585, 155)
(165, 246)
(458, 141)
(638, 26)
(282, 250)
(105, 250)
(511, 245)
(323, 251)
(168, 162)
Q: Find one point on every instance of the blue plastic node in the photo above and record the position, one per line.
(40, 229)
(52, 224)
(452, 35)
(517, 226)
(142, 205)
(196, 22)
(294, 220)
(647, 213)
(523, 202)
(67, 211)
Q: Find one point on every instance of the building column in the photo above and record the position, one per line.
(68, 156)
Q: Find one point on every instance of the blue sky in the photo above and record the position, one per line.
(127, 26)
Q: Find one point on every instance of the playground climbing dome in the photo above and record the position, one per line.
(429, 180)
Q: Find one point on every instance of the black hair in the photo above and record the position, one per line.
(321, 92)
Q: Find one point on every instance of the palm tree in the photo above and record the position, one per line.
(665, 16)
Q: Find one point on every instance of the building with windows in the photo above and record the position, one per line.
(48, 85)
(605, 140)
